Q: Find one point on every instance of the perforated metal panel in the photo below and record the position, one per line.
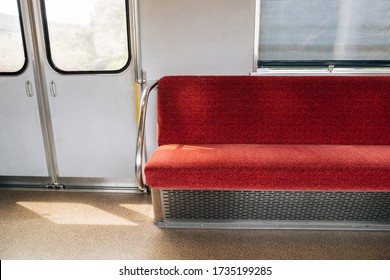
(276, 205)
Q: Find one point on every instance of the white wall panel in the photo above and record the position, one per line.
(197, 36)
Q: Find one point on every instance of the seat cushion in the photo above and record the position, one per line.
(270, 167)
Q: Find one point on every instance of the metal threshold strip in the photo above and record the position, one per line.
(68, 184)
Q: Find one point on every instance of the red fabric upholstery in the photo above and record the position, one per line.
(272, 133)
(274, 110)
(270, 167)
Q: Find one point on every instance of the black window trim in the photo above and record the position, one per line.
(66, 72)
(324, 63)
(24, 67)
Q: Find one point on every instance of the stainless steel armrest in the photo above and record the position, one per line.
(140, 149)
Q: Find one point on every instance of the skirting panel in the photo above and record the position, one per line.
(273, 209)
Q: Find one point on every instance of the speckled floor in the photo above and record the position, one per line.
(78, 225)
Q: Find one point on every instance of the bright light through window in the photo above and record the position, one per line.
(74, 12)
(87, 35)
(8, 7)
(12, 56)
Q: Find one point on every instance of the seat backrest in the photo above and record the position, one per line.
(274, 109)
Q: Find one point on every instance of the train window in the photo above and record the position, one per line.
(346, 33)
(87, 36)
(13, 57)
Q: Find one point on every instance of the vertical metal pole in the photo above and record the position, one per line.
(140, 76)
(42, 97)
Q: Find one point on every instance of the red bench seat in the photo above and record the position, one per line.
(272, 133)
(296, 152)
(270, 167)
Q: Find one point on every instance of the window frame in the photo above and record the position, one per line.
(24, 66)
(360, 65)
(67, 72)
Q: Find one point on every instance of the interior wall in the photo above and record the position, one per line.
(197, 37)
(194, 37)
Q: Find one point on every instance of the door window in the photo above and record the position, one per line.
(13, 58)
(87, 36)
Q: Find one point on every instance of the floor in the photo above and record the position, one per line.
(80, 225)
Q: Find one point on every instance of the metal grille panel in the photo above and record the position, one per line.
(276, 205)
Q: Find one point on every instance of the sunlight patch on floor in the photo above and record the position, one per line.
(74, 214)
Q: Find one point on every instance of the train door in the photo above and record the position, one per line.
(22, 146)
(87, 76)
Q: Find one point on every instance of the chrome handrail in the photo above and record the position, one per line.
(140, 148)
(140, 76)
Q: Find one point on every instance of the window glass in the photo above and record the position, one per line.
(12, 51)
(87, 35)
(324, 32)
